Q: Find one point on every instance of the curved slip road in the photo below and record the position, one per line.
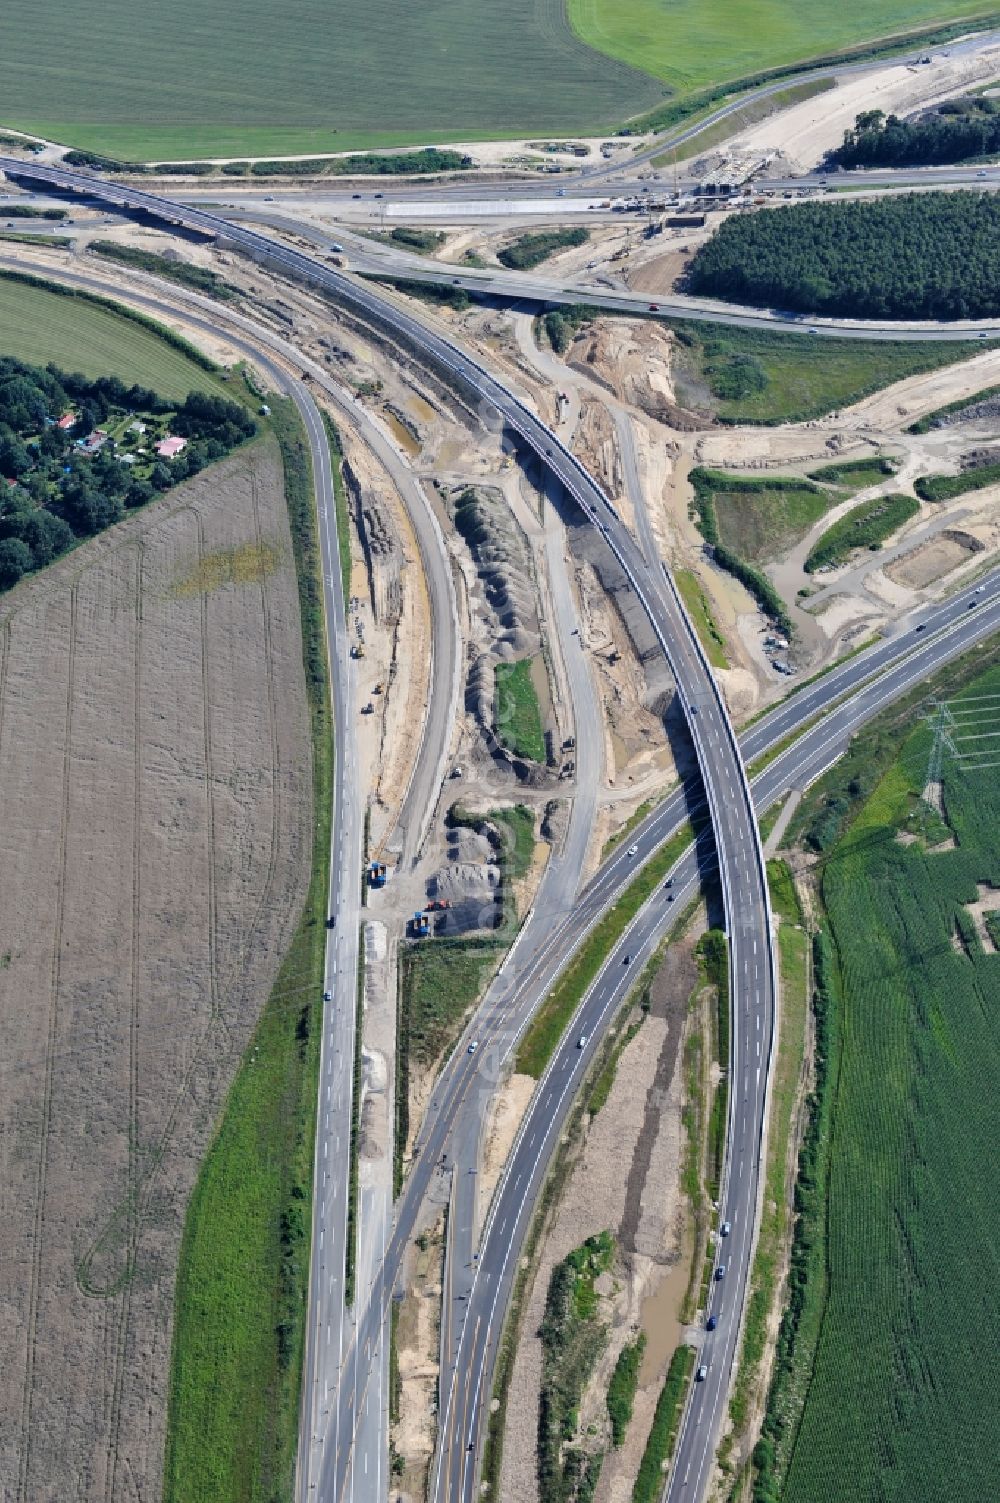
(465, 1409)
(737, 842)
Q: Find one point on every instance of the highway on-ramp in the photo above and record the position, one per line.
(737, 842)
(467, 1388)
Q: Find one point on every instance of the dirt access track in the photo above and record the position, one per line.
(155, 799)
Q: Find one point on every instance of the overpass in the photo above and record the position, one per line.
(737, 840)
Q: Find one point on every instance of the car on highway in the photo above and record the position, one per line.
(701, 1374)
(725, 1229)
(331, 922)
(328, 996)
(981, 172)
(668, 884)
(720, 1272)
(626, 960)
(633, 850)
(581, 1042)
(711, 1323)
(654, 307)
(473, 1046)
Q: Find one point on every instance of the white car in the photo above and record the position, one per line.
(633, 850)
(473, 1046)
(328, 996)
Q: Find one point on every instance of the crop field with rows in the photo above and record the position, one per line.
(903, 1399)
(250, 78)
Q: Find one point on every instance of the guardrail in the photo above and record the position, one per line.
(584, 489)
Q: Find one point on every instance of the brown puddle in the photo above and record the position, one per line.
(403, 436)
(659, 1317)
(422, 411)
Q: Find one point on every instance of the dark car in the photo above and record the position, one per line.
(711, 1323)
(331, 922)
(720, 1272)
(626, 959)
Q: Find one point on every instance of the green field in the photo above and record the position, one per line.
(864, 526)
(253, 78)
(77, 333)
(900, 1403)
(692, 45)
(517, 715)
(698, 608)
(756, 376)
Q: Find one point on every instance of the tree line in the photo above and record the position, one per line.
(918, 255)
(959, 135)
(53, 493)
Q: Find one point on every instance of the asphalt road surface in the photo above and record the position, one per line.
(737, 839)
(467, 1388)
(350, 292)
(737, 844)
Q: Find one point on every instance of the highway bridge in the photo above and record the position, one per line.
(741, 862)
(737, 844)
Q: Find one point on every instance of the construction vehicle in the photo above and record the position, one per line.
(377, 874)
(358, 650)
(438, 905)
(420, 925)
(379, 688)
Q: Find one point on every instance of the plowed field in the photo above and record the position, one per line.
(155, 807)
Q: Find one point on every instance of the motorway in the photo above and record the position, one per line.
(737, 840)
(740, 862)
(952, 630)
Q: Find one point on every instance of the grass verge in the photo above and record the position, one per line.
(531, 250)
(439, 982)
(700, 611)
(946, 487)
(243, 1275)
(185, 273)
(752, 113)
(552, 1018)
(663, 1432)
(622, 1387)
(572, 1337)
(795, 977)
(769, 377)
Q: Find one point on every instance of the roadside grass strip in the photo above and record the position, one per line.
(552, 1018)
(243, 1276)
(666, 1423)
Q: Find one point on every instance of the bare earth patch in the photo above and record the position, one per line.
(155, 801)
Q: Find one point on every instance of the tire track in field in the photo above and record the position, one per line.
(41, 1175)
(144, 1182)
(210, 832)
(4, 656)
(240, 966)
(134, 1162)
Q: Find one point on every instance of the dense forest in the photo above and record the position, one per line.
(967, 130)
(919, 255)
(75, 454)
